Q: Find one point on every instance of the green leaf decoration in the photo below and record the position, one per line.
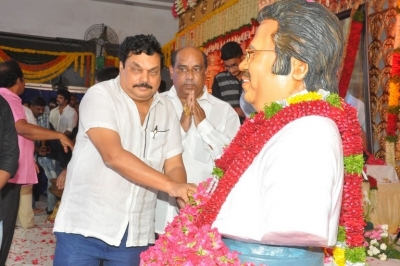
(393, 109)
(353, 163)
(341, 237)
(252, 115)
(392, 139)
(272, 109)
(334, 100)
(355, 254)
(393, 253)
(218, 172)
(359, 16)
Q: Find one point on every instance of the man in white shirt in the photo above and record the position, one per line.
(127, 136)
(207, 124)
(64, 118)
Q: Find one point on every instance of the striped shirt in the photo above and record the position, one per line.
(227, 88)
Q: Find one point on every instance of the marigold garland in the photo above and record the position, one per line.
(394, 96)
(254, 133)
(45, 72)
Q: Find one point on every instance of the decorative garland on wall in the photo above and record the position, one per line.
(57, 62)
(353, 42)
(229, 17)
(180, 6)
(239, 35)
(394, 95)
(111, 61)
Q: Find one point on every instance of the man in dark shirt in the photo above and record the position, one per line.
(227, 85)
(9, 151)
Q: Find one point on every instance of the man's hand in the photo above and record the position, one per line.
(186, 117)
(182, 191)
(66, 142)
(198, 113)
(37, 168)
(61, 179)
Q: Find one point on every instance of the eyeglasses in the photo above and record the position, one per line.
(234, 66)
(250, 52)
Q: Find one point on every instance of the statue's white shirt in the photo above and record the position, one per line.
(291, 193)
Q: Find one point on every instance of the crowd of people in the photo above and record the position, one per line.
(139, 155)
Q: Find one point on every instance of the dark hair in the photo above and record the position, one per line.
(38, 101)
(10, 72)
(138, 44)
(107, 73)
(65, 93)
(309, 32)
(231, 50)
(175, 54)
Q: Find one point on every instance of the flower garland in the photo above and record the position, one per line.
(213, 24)
(179, 7)
(394, 96)
(250, 139)
(377, 242)
(351, 52)
(45, 72)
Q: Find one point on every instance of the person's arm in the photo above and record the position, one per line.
(72, 122)
(9, 150)
(174, 169)
(34, 132)
(108, 143)
(216, 91)
(4, 176)
(240, 112)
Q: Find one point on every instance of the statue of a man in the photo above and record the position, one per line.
(279, 197)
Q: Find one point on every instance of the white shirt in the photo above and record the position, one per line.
(65, 121)
(359, 105)
(291, 193)
(97, 201)
(201, 146)
(30, 118)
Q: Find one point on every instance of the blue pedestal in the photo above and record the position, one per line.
(276, 255)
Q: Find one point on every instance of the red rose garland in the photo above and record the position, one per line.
(255, 132)
(351, 53)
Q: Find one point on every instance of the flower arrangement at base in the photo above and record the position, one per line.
(377, 242)
(190, 239)
(379, 245)
(185, 244)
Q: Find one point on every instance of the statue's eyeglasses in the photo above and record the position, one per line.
(250, 52)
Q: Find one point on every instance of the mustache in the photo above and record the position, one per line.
(246, 74)
(143, 84)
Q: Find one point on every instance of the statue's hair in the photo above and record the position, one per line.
(309, 32)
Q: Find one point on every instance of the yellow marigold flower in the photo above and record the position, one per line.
(393, 94)
(338, 256)
(310, 96)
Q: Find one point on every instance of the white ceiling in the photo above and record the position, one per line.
(156, 4)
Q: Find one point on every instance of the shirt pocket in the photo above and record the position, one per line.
(157, 149)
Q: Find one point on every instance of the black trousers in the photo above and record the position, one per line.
(9, 205)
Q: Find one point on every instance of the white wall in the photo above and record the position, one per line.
(71, 18)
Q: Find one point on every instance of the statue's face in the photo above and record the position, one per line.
(261, 86)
